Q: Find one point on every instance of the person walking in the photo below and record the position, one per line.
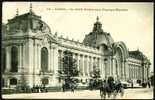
(63, 87)
(103, 89)
(149, 84)
(72, 87)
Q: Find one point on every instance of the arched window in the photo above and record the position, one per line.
(14, 59)
(3, 60)
(44, 59)
(13, 81)
(119, 66)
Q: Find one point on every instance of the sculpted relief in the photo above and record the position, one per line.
(38, 25)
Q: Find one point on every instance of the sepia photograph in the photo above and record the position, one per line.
(77, 50)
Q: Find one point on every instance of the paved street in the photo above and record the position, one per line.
(139, 93)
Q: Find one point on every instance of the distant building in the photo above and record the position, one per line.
(32, 52)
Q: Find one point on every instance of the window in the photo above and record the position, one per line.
(13, 81)
(44, 59)
(14, 59)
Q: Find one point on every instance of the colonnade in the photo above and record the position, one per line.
(85, 63)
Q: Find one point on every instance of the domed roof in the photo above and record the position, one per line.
(98, 36)
(26, 22)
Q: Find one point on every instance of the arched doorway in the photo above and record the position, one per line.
(44, 59)
(119, 64)
(14, 59)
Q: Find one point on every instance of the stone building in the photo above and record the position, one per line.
(31, 52)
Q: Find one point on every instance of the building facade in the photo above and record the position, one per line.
(30, 52)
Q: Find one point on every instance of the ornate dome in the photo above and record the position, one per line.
(26, 22)
(98, 37)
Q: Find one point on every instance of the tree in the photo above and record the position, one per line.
(95, 75)
(69, 70)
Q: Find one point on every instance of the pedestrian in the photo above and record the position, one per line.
(72, 87)
(37, 88)
(63, 87)
(149, 84)
(132, 84)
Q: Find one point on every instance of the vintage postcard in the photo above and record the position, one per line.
(77, 50)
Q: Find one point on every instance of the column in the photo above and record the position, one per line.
(122, 62)
(59, 57)
(74, 56)
(34, 62)
(20, 58)
(51, 59)
(83, 69)
(133, 71)
(80, 65)
(144, 72)
(113, 67)
(38, 58)
(94, 63)
(77, 55)
(129, 72)
(88, 65)
(85, 65)
(8, 59)
(136, 72)
(118, 69)
(126, 70)
(55, 59)
(109, 69)
(105, 67)
(7, 82)
(100, 67)
(139, 75)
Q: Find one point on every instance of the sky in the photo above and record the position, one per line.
(131, 23)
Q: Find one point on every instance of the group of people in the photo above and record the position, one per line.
(37, 89)
(68, 86)
(111, 87)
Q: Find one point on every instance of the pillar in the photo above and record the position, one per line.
(91, 62)
(20, 58)
(88, 66)
(83, 69)
(39, 58)
(77, 59)
(8, 59)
